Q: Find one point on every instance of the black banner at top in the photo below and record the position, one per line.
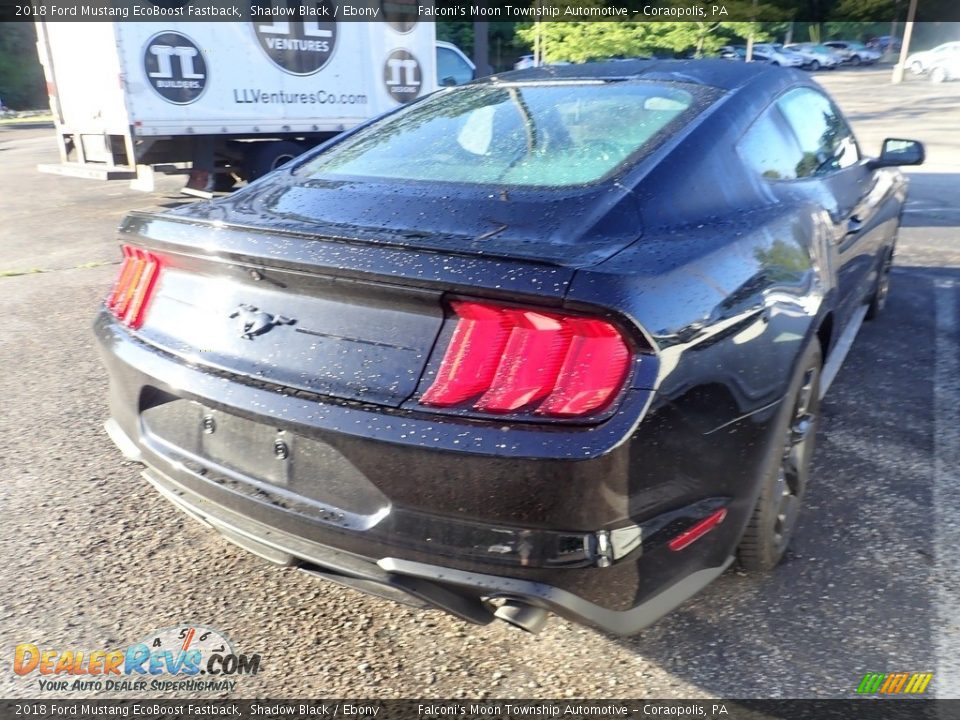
(702, 11)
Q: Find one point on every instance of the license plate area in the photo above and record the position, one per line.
(269, 463)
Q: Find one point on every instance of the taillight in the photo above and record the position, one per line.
(506, 359)
(131, 292)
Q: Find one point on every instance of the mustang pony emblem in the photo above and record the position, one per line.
(253, 322)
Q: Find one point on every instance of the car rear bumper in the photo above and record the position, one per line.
(460, 593)
(585, 538)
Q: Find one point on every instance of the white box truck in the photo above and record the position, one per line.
(131, 98)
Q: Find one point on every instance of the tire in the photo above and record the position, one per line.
(814, 66)
(775, 63)
(938, 75)
(774, 518)
(882, 288)
(855, 60)
(916, 67)
(224, 182)
(265, 157)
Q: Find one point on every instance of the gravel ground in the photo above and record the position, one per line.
(92, 558)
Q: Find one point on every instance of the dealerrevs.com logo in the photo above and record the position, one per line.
(184, 658)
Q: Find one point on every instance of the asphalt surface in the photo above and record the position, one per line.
(92, 558)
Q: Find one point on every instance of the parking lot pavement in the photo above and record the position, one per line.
(92, 558)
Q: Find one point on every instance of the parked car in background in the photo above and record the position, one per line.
(453, 66)
(815, 56)
(496, 354)
(524, 62)
(920, 62)
(732, 52)
(944, 68)
(777, 55)
(883, 42)
(855, 53)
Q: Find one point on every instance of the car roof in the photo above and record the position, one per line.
(716, 73)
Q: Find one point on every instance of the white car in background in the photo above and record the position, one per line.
(815, 56)
(525, 62)
(945, 67)
(920, 62)
(853, 52)
(776, 55)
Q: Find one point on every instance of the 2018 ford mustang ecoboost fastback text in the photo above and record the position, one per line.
(552, 341)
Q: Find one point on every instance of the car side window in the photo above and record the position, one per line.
(825, 139)
(770, 148)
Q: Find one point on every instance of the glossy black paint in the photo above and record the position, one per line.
(719, 277)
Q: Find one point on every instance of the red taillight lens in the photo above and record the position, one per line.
(131, 292)
(555, 365)
(473, 355)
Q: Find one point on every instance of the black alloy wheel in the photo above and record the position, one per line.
(774, 518)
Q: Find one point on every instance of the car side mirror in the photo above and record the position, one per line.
(448, 81)
(898, 152)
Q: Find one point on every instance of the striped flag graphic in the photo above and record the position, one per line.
(894, 683)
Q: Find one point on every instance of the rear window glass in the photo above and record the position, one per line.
(560, 134)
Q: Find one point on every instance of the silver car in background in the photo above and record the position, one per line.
(777, 55)
(853, 52)
(815, 57)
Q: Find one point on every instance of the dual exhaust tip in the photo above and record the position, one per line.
(526, 617)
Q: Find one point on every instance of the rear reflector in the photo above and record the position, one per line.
(507, 359)
(131, 292)
(696, 532)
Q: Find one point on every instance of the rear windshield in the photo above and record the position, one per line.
(559, 134)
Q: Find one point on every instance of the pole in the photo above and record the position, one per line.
(905, 47)
(481, 47)
(753, 20)
(536, 43)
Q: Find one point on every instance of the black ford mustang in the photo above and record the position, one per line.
(553, 341)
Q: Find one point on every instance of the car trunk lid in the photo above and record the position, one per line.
(352, 320)
(562, 227)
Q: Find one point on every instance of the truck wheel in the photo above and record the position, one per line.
(265, 157)
(775, 516)
(224, 182)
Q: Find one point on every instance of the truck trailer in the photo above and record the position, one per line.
(130, 98)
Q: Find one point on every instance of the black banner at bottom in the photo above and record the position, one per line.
(345, 709)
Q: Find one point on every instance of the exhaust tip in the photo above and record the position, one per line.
(526, 617)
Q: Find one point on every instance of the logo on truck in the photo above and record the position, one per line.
(402, 76)
(298, 38)
(175, 67)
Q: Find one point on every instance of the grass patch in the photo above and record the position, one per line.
(15, 273)
(36, 271)
(27, 120)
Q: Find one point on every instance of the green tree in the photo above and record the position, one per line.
(585, 41)
(22, 85)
